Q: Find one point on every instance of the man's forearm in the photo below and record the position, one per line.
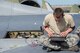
(50, 33)
(47, 29)
(70, 29)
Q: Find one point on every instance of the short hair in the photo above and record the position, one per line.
(58, 11)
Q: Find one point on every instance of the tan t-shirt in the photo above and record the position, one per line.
(64, 23)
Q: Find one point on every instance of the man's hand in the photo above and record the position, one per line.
(64, 34)
(50, 34)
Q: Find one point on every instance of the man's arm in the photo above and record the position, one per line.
(71, 24)
(46, 25)
(46, 28)
(71, 28)
(64, 34)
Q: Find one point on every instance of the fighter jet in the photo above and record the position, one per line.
(21, 15)
(22, 7)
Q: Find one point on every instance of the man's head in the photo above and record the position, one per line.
(58, 12)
